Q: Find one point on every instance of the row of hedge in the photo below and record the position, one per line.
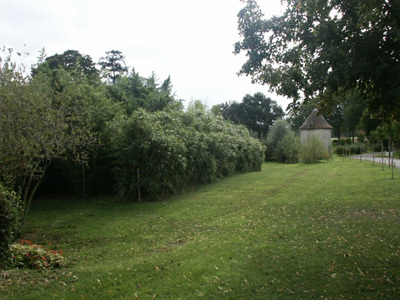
(356, 148)
(162, 153)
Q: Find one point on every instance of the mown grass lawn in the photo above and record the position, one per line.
(324, 231)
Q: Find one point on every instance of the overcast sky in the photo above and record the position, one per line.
(190, 40)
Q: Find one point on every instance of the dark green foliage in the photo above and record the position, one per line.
(377, 147)
(356, 148)
(319, 49)
(71, 61)
(162, 153)
(335, 118)
(66, 175)
(298, 116)
(113, 65)
(345, 141)
(10, 220)
(339, 150)
(256, 112)
(352, 149)
(134, 91)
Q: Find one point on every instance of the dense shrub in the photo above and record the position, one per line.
(281, 143)
(276, 134)
(287, 150)
(356, 148)
(312, 151)
(340, 150)
(162, 153)
(10, 222)
(345, 141)
(148, 156)
(377, 147)
(352, 149)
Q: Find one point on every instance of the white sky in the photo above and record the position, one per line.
(190, 40)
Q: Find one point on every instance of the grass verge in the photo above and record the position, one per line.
(329, 230)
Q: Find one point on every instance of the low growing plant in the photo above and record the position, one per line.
(25, 254)
(10, 220)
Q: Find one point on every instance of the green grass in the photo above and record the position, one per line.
(324, 231)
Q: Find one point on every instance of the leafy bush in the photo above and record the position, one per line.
(352, 149)
(173, 150)
(10, 220)
(148, 156)
(377, 147)
(288, 148)
(276, 134)
(312, 151)
(25, 254)
(281, 143)
(340, 150)
(345, 141)
(356, 148)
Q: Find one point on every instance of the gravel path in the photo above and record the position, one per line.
(373, 156)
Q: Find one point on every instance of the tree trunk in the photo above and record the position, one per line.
(28, 201)
(28, 193)
(389, 150)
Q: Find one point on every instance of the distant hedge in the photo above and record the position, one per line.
(351, 149)
(162, 153)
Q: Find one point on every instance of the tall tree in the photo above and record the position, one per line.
(353, 112)
(336, 119)
(38, 125)
(135, 91)
(256, 112)
(71, 61)
(113, 65)
(318, 49)
(298, 117)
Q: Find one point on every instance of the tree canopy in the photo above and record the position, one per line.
(71, 61)
(113, 65)
(38, 124)
(321, 49)
(257, 112)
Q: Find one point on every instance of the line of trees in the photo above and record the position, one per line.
(71, 128)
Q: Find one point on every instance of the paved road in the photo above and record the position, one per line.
(373, 156)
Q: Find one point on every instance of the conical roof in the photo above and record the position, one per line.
(315, 121)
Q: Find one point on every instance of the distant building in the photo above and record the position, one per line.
(316, 125)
